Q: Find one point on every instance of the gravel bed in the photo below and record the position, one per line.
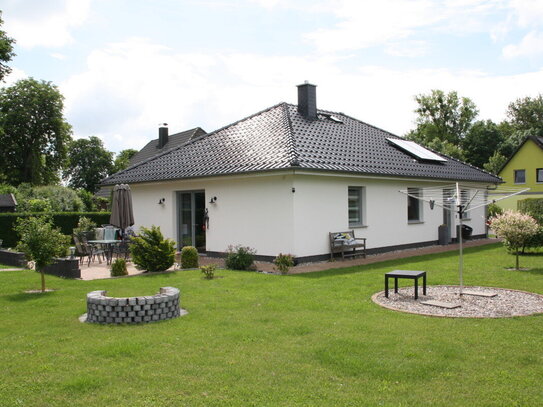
(507, 303)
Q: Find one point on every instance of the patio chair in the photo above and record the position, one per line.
(88, 250)
(122, 248)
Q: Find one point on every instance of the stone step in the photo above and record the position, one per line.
(440, 304)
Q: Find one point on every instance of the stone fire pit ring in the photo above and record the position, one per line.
(133, 310)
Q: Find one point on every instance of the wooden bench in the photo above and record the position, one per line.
(346, 246)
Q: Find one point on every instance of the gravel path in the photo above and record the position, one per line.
(507, 303)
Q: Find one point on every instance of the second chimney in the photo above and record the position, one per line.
(307, 101)
(162, 135)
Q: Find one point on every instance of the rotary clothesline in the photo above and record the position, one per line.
(463, 198)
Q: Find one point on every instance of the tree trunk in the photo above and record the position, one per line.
(517, 261)
(42, 281)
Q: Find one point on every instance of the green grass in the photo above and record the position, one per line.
(265, 340)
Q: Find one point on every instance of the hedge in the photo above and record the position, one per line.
(66, 221)
(533, 207)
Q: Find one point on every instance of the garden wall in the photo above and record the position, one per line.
(133, 310)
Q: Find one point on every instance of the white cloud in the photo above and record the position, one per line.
(528, 12)
(15, 75)
(531, 45)
(366, 24)
(131, 87)
(45, 23)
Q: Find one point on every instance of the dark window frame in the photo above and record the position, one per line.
(539, 175)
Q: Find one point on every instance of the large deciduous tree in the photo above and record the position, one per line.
(526, 115)
(443, 119)
(122, 160)
(33, 132)
(6, 51)
(88, 163)
(481, 142)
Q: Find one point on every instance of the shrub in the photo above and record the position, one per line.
(84, 225)
(65, 221)
(494, 210)
(532, 207)
(41, 242)
(239, 257)
(283, 262)
(150, 251)
(59, 198)
(35, 205)
(515, 229)
(118, 268)
(208, 271)
(189, 257)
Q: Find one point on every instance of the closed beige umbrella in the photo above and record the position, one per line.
(122, 215)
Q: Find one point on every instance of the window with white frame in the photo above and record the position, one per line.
(464, 199)
(356, 206)
(520, 176)
(414, 207)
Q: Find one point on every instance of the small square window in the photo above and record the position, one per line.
(413, 205)
(520, 176)
(355, 206)
(539, 175)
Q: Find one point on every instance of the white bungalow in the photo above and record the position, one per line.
(282, 179)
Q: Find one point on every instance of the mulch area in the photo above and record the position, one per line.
(506, 303)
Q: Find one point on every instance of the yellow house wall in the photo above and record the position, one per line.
(529, 157)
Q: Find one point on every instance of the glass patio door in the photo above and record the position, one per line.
(191, 212)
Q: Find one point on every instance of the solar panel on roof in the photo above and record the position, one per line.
(418, 151)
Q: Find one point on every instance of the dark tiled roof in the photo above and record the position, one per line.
(280, 138)
(174, 140)
(7, 201)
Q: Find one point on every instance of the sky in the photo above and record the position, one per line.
(125, 66)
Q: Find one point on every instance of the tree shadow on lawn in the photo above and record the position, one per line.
(24, 297)
(394, 263)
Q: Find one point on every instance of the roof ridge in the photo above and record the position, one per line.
(232, 124)
(191, 141)
(293, 152)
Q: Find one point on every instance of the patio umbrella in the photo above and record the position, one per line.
(121, 207)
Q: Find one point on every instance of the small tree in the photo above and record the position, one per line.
(150, 251)
(515, 229)
(41, 242)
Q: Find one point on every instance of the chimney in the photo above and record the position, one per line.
(307, 101)
(162, 135)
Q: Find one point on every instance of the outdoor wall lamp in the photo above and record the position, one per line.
(213, 200)
(161, 201)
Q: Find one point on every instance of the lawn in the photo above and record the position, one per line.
(253, 339)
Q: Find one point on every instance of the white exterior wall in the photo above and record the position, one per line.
(321, 207)
(262, 212)
(251, 211)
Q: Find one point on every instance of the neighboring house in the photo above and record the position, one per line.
(163, 143)
(524, 169)
(8, 203)
(281, 179)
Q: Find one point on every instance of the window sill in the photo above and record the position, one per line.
(414, 222)
(358, 226)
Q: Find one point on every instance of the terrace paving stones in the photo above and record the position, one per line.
(99, 271)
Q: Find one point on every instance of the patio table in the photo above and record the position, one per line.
(108, 246)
